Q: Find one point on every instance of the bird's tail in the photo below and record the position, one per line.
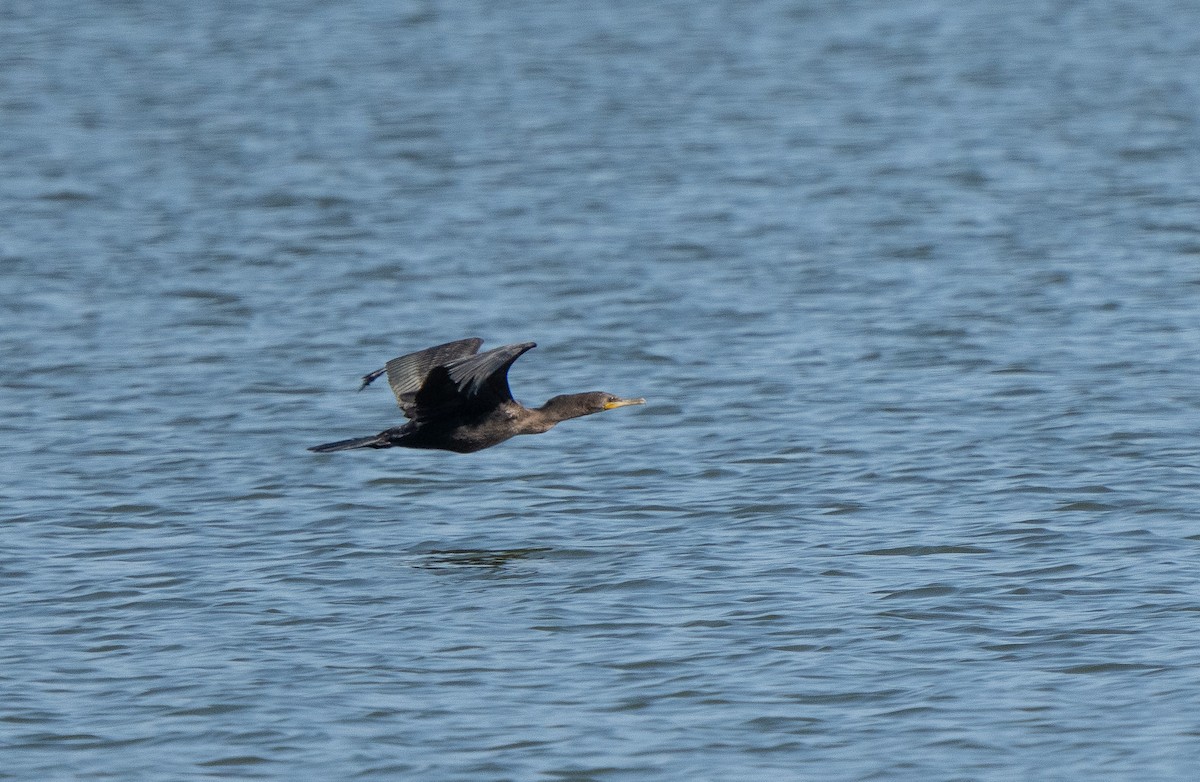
(374, 441)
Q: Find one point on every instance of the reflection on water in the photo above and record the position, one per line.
(495, 560)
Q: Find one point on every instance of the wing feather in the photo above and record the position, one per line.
(469, 385)
(406, 374)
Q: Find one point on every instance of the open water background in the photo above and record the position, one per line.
(913, 290)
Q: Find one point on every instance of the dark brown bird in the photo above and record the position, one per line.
(457, 399)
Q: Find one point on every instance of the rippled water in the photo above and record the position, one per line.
(913, 290)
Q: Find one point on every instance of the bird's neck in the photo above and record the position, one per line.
(559, 408)
(532, 420)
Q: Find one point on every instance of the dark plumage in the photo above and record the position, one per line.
(458, 400)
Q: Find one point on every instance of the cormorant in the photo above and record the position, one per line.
(457, 399)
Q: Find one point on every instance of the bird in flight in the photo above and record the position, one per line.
(457, 399)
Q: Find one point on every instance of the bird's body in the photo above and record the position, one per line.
(457, 399)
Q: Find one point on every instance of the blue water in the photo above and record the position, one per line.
(912, 290)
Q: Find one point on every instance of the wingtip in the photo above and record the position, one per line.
(369, 378)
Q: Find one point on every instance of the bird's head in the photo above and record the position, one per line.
(560, 408)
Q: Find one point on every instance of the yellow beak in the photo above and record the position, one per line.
(623, 403)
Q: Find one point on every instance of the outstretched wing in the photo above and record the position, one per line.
(468, 386)
(406, 374)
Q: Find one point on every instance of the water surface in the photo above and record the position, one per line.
(911, 288)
